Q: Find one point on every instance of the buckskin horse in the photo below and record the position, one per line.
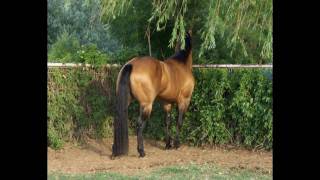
(147, 79)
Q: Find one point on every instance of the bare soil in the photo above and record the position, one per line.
(95, 155)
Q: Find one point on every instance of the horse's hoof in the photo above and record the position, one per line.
(112, 157)
(168, 146)
(176, 144)
(142, 154)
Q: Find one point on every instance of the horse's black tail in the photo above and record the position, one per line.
(121, 138)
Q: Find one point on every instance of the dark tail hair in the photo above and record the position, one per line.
(121, 138)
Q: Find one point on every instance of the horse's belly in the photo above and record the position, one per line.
(169, 96)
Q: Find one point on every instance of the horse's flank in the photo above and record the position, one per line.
(159, 79)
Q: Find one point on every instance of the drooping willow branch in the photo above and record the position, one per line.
(235, 20)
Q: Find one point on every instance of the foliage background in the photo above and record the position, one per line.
(227, 106)
(223, 31)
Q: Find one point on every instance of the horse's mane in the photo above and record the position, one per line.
(182, 54)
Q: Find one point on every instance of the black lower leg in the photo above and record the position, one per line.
(179, 125)
(140, 126)
(168, 138)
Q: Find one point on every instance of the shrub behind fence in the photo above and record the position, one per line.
(228, 106)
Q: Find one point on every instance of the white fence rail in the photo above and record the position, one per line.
(232, 66)
(67, 65)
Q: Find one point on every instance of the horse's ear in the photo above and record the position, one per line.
(190, 32)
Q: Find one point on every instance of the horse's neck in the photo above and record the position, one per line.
(189, 61)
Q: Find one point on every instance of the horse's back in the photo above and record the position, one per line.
(146, 66)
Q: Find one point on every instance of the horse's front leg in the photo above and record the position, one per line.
(179, 125)
(182, 108)
(144, 115)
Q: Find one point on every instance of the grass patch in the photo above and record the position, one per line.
(173, 172)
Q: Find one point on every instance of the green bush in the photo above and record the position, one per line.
(227, 107)
(68, 49)
(91, 55)
(230, 107)
(64, 49)
(80, 103)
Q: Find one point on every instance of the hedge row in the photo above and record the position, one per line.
(227, 107)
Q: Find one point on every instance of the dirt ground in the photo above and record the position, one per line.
(95, 157)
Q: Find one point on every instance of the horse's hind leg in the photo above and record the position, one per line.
(145, 111)
(167, 109)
